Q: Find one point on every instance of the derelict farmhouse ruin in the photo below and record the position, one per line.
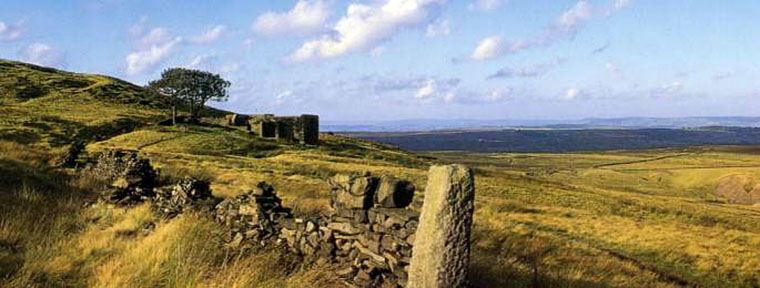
(302, 129)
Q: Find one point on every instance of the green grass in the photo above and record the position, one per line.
(50, 108)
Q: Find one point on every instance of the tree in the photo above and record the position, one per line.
(192, 87)
(205, 86)
(172, 87)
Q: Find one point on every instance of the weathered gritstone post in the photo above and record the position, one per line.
(441, 252)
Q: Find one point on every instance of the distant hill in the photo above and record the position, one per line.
(589, 123)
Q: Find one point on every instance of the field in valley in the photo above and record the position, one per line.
(627, 218)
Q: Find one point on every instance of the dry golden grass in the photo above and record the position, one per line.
(621, 219)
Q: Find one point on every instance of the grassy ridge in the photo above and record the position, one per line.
(49, 108)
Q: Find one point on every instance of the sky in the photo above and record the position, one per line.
(378, 60)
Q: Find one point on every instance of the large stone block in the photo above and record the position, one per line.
(441, 252)
(352, 191)
(394, 193)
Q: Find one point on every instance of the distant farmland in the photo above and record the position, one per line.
(565, 140)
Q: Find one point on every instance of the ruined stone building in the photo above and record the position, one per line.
(302, 129)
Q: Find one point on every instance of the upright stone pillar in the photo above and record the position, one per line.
(441, 252)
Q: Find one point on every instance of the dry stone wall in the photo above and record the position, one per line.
(131, 179)
(370, 233)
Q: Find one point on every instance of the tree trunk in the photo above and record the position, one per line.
(174, 115)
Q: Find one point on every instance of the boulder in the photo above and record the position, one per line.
(394, 193)
(352, 191)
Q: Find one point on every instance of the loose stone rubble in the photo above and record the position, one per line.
(131, 179)
(252, 217)
(188, 193)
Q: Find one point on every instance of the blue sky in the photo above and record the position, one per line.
(398, 59)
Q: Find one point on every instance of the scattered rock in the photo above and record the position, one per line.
(188, 193)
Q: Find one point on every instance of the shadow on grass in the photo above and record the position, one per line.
(501, 259)
(38, 207)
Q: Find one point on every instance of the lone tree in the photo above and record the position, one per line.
(189, 87)
(205, 86)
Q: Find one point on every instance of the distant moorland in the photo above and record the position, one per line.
(565, 140)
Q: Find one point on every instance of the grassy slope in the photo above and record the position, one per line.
(651, 222)
(625, 219)
(48, 238)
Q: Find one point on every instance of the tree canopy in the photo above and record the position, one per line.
(190, 87)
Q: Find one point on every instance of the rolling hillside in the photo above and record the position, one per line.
(640, 218)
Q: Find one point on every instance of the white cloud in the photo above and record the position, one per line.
(210, 35)
(566, 24)
(617, 6)
(427, 91)
(571, 93)
(620, 4)
(43, 55)
(365, 26)
(439, 28)
(137, 29)
(611, 67)
(488, 48)
(287, 97)
(202, 62)
(10, 31)
(229, 68)
(569, 21)
(437, 89)
(449, 97)
(211, 63)
(497, 94)
(156, 36)
(247, 44)
(529, 71)
(153, 48)
(379, 50)
(724, 75)
(485, 5)
(668, 89)
(306, 17)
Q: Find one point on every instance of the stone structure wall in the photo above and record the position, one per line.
(303, 129)
(370, 233)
